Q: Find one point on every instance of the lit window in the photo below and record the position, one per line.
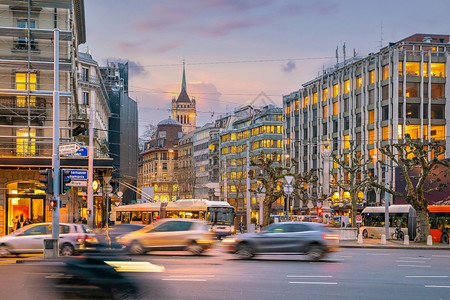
(335, 90)
(437, 70)
(24, 82)
(296, 105)
(400, 131)
(437, 132)
(385, 133)
(305, 102)
(371, 77)
(325, 95)
(385, 72)
(425, 69)
(371, 116)
(400, 68)
(335, 108)
(325, 111)
(412, 68)
(413, 131)
(371, 136)
(346, 141)
(346, 86)
(372, 155)
(25, 143)
(358, 82)
(315, 98)
(288, 110)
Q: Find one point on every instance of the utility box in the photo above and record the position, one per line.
(51, 249)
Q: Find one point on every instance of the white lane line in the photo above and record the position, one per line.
(438, 286)
(406, 257)
(309, 276)
(312, 282)
(416, 266)
(345, 256)
(378, 254)
(182, 279)
(440, 255)
(190, 276)
(426, 276)
(411, 261)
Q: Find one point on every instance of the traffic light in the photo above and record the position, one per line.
(47, 180)
(53, 203)
(319, 211)
(65, 179)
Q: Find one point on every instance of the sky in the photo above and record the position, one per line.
(240, 52)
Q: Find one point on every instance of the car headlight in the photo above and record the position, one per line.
(230, 240)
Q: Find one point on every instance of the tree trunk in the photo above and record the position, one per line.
(267, 209)
(354, 208)
(423, 225)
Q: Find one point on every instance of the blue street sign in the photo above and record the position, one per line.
(83, 151)
(78, 174)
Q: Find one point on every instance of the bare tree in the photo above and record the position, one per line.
(426, 160)
(271, 176)
(353, 167)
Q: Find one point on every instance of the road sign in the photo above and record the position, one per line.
(78, 174)
(83, 152)
(358, 219)
(288, 189)
(289, 179)
(77, 183)
(66, 149)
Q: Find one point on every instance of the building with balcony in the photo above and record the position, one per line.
(370, 101)
(206, 162)
(185, 167)
(26, 104)
(160, 161)
(256, 130)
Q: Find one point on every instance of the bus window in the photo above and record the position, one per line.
(136, 216)
(125, 217)
(118, 216)
(146, 218)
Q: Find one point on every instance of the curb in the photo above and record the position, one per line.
(413, 247)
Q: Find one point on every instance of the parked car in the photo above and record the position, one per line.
(30, 239)
(118, 230)
(312, 239)
(170, 234)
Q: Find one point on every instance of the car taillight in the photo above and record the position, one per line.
(86, 239)
(333, 237)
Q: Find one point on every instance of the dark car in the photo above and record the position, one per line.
(312, 239)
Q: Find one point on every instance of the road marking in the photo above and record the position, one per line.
(417, 266)
(309, 276)
(438, 286)
(182, 279)
(411, 261)
(188, 276)
(440, 255)
(312, 282)
(426, 276)
(376, 254)
(406, 257)
(345, 256)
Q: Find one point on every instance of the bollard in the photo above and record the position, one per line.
(406, 241)
(360, 238)
(383, 239)
(430, 240)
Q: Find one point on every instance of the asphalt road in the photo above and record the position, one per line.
(349, 274)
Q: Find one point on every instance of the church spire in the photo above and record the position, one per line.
(183, 82)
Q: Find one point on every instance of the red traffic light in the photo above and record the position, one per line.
(319, 211)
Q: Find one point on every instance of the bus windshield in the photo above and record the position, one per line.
(220, 215)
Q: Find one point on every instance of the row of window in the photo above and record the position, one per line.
(278, 129)
(254, 145)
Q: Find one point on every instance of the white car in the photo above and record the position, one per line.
(30, 239)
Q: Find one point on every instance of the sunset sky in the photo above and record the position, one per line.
(236, 49)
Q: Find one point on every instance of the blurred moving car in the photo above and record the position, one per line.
(118, 230)
(312, 239)
(170, 234)
(30, 239)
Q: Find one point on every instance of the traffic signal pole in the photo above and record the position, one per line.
(55, 156)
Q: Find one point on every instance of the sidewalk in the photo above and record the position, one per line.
(391, 244)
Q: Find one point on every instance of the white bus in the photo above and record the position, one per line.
(373, 220)
(218, 214)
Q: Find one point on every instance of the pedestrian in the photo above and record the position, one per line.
(27, 222)
(241, 227)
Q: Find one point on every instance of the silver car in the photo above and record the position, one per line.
(30, 239)
(312, 239)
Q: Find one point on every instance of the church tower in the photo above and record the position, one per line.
(183, 108)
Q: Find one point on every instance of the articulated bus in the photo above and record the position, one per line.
(218, 214)
(439, 216)
(373, 220)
